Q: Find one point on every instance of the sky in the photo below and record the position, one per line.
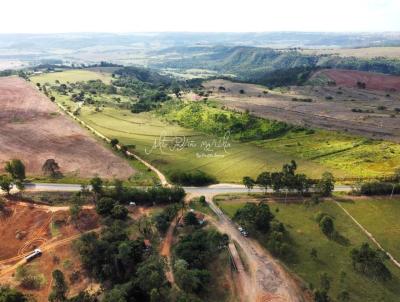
(54, 16)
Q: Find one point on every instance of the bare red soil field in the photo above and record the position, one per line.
(34, 130)
(373, 81)
(24, 227)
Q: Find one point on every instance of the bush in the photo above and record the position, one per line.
(327, 226)
(379, 188)
(195, 178)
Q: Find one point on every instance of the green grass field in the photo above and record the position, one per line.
(380, 216)
(144, 129)
(344, 155)
(71, 76)
(357, 156)
(333, 258)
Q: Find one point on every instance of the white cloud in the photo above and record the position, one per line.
(205, 15)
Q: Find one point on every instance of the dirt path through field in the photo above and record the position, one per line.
(369, 235)
(50, 245)
(267, 279)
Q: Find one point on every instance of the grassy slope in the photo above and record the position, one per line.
(355, 155)
(333, 257)
(380, 216)
(342, 154)
(71, 76)
(142, 129)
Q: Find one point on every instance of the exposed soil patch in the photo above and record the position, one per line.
(372, 80)
(326, 107)
(34, 130)
(25, 227)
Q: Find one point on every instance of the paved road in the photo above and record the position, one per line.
(213, 189)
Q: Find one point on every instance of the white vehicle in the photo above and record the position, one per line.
(33, 255)
(132, 204)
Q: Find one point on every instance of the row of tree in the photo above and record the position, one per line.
(290, 181)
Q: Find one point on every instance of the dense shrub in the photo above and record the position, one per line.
(379, 188)
(195, 178)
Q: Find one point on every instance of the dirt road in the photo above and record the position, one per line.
(50, 245)
(267, 280)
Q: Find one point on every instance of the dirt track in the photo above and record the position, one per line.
(34, 130)
(267, 281)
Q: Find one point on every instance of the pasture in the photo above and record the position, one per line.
(171, 147)
(178, 148)
(380, 216)
(332, 257)
(71, 76)
(366, 53)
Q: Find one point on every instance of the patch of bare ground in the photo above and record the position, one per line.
(327, 107)
(24, 228)
(372, 80)
(34, 130)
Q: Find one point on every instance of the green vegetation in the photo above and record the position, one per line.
(8, 294)
(266, 65)
(71, 76)
(380, 216)
(207, 118)
(312, 251)
(195, 255)
(29, 278)
(200, 205)
(187, 137)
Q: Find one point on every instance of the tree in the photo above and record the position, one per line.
(343, 296)
(177, 91)
(370, 262)
(191, 219)
(257, 216)
(114, 142)
(8, 294)
(83, 297)
(190, 280)
(105, 206)
(327, 226)
(321, 296)
(118, 189)
(325, 282)
(51, 168)
(59, 288)
(326, 184)
(97, 187)
(16, 169)
(6, 184)
(248, 182)
(150, 274)
(75, 210)
(119, 212)
(264, 180)
(314, 254)
(202, 200)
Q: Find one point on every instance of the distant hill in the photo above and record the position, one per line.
(256, 64)
(144, 75)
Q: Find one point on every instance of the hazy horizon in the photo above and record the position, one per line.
(120, 16)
